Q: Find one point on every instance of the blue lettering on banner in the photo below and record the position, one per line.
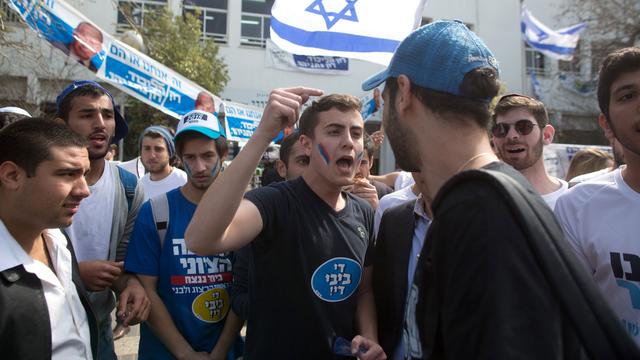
(321, 62)
(336, 279)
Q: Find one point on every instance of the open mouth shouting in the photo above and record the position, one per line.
(345, 164)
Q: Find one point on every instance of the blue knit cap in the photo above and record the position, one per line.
(166, 135)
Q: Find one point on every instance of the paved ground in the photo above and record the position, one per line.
(127, 346)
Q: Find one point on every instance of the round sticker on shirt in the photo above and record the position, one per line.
(212, 305)
(336, 279)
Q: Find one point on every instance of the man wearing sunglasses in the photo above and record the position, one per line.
(521, 129)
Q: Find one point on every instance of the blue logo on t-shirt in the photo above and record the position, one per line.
(336, 279)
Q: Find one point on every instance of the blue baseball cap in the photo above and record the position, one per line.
(437, 56)
(202, 122)
(121, 125)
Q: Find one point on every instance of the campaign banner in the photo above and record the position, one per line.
(112, 61)
(241, 121)
(557, 157)
(324, 65)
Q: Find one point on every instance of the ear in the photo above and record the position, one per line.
(281, 168)
(307, 144)
(11, 175)
(606, 127)
(547, 134)
(404, 98)
(59, 120)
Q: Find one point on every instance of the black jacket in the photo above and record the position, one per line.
(25, 329)
(393, 247)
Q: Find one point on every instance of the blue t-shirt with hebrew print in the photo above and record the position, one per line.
(193, 288)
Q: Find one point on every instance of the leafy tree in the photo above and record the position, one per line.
(177, 43)
(611, 24)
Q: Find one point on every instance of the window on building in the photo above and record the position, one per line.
(7, 14)
(256, 22)
(131, 13)
(213, 16)
(572, 66)
(535, 61)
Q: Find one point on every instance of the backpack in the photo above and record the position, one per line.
(597, 326)
(160, 212)
(129, 182)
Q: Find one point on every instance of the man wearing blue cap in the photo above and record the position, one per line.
(157, 151)
(103, 224)
(190, 304)
(494, 259)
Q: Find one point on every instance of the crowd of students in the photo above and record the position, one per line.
(472, 251)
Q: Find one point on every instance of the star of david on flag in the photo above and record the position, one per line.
(361, 29)
(558, 44)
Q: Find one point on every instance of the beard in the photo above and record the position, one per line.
(403, 142)
(535, 153)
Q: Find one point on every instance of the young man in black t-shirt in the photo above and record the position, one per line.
(479, 291)
(312, 240)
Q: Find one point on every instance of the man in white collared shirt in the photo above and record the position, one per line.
(44, 311)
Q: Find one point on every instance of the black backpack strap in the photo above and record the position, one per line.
(602, 335)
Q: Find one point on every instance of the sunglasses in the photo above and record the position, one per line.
(523, 127)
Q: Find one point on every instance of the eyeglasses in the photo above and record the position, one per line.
(523, 127)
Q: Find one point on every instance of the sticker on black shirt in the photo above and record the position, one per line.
(336, 279)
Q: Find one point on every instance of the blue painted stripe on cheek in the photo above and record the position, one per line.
(324, 154)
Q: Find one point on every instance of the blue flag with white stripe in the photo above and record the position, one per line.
(362, 29)
(558, 44)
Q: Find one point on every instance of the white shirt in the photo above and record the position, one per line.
(176, 178)
(390, 200)
(600, 218)
(70, 335)
(90, 232)
(134, 166)
(553, 196)
(403, 180)
(588, 176)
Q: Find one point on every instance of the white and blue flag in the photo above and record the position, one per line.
(369, 30)
(558, 44)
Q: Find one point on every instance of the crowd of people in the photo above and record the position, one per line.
(470, 250)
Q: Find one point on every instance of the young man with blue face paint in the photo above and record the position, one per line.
(190, 314)
(311, 241)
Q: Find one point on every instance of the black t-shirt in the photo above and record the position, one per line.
(478, 292)
(308, 263)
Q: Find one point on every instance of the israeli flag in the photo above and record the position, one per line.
(558, 44)
(369, 30)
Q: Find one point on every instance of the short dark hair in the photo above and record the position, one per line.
(369, 146)
(343, 102)
(7, 118)
(86, 90)
(481, 83)
(517, 101)
(615, 64)
(222, 148)
(27, 142)
(287, 145)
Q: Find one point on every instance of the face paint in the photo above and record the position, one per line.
(187, 169)
(324, 153)
(216, 169)
(359, 157)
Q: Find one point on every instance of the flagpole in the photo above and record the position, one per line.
(523, 57)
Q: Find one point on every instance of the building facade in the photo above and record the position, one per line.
(33, 72)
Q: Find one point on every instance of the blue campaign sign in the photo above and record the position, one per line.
(336, 279)
(241, 121)
(119, 64)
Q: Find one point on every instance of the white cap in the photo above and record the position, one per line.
(15, 110)
(202, 122)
